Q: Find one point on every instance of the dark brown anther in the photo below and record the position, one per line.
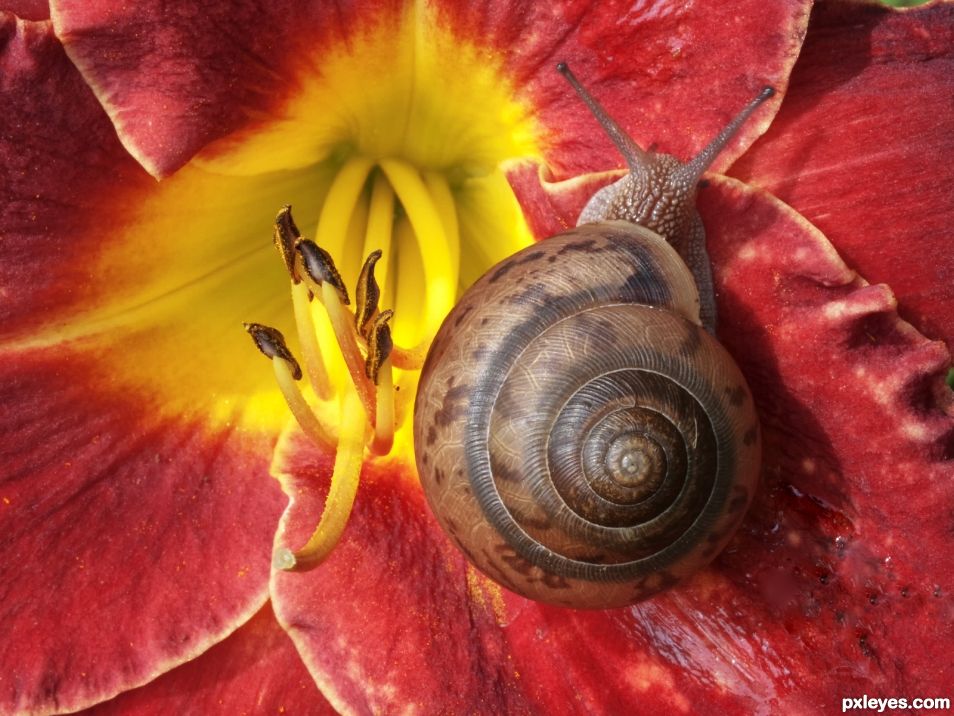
(379, 344)
(285, 235)
(271, 343)
(321, 267)
(367, 294)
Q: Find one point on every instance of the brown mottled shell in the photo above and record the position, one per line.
(578, 435)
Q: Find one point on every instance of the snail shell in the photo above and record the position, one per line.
(579, 435)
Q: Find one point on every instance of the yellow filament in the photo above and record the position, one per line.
(380, 222)
(439, 275)
(384, 420)
(341, 493)
(410, 358)
(342, 321)
(407, 304)
(407, 300)
(306, 418)
(340, 204)
(314, 365)
(427, 240)
(446, 206)
(409, 296)
(351, 257)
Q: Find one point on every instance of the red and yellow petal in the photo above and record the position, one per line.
(156, 277)
(862, 148)
(206, 72)
(174, 81)
(256, 670)
(136, 511)
(830, 589)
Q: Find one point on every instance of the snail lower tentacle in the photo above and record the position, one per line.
(579, 435)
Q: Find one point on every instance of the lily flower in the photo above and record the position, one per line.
(158, 500)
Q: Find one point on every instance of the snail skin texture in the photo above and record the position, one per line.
(580, 435)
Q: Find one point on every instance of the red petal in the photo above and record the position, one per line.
(132, 540)
(255, 671)
(862, 148)
(671, 74)
(838, 584)
(60, 167)
(29, 9)
(837, 564)
(388, 619)
(553, 207)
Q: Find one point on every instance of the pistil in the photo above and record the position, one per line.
(357, 411)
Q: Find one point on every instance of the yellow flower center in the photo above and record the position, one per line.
(414, 128)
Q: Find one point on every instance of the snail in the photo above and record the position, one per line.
(579, 432)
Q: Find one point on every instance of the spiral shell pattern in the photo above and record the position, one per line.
(579, 436)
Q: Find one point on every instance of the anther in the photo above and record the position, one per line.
(379, 345)
(285, 235)
(367, 294)
(271, 343)
(321, 268)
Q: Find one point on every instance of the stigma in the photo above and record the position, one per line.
(360, 361)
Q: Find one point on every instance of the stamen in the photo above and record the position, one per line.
(314, 364)
(385, 420)
(407, 303)
(380, 223)
(307, 420)
(351, 257)
(340, 204)
(439, 274)
(367, 294)
(341, 493)
(378, 367)
(341, 321)
(379, 345)
(443, 201)
(410, 295)
(447, 209)
(271, 343)
(285, 235)
(428, 233)
(325, 281)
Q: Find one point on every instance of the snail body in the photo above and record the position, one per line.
(580, 434)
